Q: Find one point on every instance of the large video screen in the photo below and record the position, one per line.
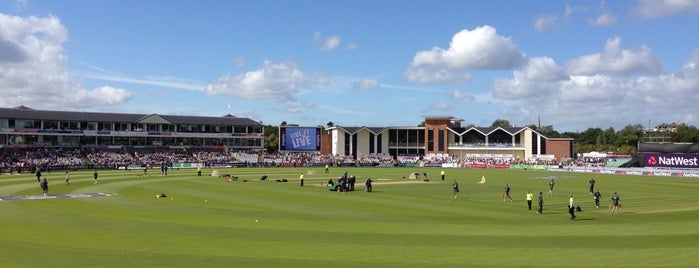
(299, 138)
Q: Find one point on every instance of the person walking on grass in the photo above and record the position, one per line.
(506, 193)
(455, 187)
(530, 196)
(94, 177)
(551, 184)
(541, 203)
(44, 186)
(615, 203)
(597, 196)
(67, 178)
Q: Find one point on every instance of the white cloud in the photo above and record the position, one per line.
(430, 75)
(272, 81)
(409, 88)
(296, 106)
(102, 95)
(438, 106)
(33, 65)
(539, 77)
(543, 69)
(480, 48)
(368, 84)
(616, 61)
(649, 9)
(573, 9)
(326, 43)
(519, 88)
(169, 82)
(461, 95)
(543, 23)
(604, 19)
(602, 100)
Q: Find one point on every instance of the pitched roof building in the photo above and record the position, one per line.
(23, 126)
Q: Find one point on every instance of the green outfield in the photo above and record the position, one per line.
(209, 222)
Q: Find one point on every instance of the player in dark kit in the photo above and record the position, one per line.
(506, 193)
(551, 184)
(44, 186)
(455, 187)
(615, 203)
(597, 196)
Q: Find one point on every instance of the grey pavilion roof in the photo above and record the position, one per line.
(31, 114)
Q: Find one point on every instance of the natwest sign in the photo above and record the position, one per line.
(671, 160)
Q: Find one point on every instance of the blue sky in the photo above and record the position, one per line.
(574, 64)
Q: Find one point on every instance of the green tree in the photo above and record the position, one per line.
(501, 123)
(629, 136)
(685, 133)
(607, 137)
(271, 138)
(547, 131)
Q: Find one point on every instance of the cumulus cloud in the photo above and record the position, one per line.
(650, 9)
(272, 81)
(599, 99)
(480, 48)
(104, 95)
(326, 43)
(11, 51)
(604, 19)
(543, 23)
(539, 77)
(33, 65)
(543, 69)
(617, 61)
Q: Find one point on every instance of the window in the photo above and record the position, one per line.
(430, 140)
(440, 140)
